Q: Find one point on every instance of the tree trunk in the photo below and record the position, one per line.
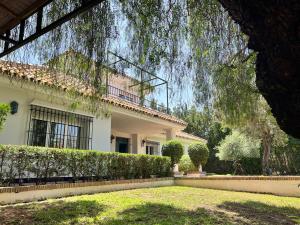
(266, 153)
(176, 168)
(200, 168)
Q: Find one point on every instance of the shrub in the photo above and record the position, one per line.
(251, 166)
(186, 165)
(285, 159)
(236, 147)
(173, 149)
(22, 162)
(4, 110)
(216, 133)
(198, 153)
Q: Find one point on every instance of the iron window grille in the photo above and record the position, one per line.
(59, 129)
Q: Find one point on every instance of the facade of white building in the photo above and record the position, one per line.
(44, 115)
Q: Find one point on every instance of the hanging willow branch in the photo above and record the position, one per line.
(184, 40)
(76, 49)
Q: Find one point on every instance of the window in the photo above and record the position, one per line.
(39, 132)
(59, 129)
(73, 139)
(122, 145)
(152, 148)
(149, 150)
(57, 134)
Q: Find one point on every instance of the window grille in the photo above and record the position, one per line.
(59, 129)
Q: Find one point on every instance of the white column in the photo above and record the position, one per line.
(171, 134)
(159, 149)
(136, 144)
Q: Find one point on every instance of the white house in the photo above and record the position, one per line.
(42, 114)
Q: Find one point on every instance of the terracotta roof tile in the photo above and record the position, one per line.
(135, 107)
(44, 76)
(185, 135)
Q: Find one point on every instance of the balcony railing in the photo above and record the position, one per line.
(126, 96)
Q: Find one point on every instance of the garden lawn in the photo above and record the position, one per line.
(165, 205)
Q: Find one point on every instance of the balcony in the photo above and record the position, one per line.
(141, 81)
(129, 97)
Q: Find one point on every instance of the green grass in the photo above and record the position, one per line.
(166, 205)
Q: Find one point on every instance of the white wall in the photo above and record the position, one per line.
(35, 193)
(14, 131)
(101, 134)
(16, 126)
(278, 185)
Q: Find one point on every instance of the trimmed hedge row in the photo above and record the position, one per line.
(42, 164)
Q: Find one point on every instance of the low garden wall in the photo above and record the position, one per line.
(10, 195)
(277, 185)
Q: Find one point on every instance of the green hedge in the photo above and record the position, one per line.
(251, 166)
(22, 162)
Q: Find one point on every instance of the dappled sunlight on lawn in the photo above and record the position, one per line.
(166, 205)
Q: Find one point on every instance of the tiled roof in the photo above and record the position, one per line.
(135, 107)
(192, 137)
(42, 75)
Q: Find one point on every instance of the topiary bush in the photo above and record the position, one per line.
(198, 153)
(173, 149)
(186, 165)
(41, 164)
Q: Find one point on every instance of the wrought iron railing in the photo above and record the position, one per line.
(127, 96)
(123, 94)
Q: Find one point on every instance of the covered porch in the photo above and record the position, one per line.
(136, 133)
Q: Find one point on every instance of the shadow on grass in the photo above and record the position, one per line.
(254, 213)
(89, 212)
(154, 213)
(58, 212)
(260, 213)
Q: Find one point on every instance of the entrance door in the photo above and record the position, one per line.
(122, 145)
